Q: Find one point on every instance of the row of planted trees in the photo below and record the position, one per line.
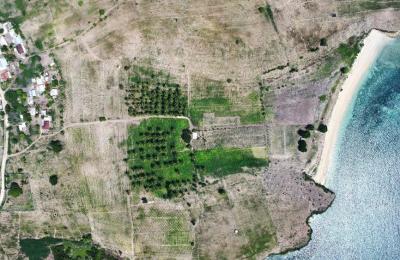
(150, 92)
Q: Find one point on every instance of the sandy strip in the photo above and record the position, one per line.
(373, 45)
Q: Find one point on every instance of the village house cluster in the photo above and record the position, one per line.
(41, 91)
(10, 41)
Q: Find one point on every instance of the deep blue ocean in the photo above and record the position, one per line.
(364, 220)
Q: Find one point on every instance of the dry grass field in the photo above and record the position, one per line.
(251, 79)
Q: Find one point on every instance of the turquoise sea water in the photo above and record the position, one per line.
(364, 220)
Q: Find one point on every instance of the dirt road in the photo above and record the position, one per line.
(5, 148)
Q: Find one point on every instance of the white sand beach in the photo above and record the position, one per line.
(373, 45)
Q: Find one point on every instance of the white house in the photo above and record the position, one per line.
(32, 111)
(22, 127)
(3, 63)
(54, 92)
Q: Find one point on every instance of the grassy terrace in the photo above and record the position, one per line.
(249, 112)
(224, 161)
(158, 159)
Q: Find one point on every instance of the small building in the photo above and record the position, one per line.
(4, 75)
(30, 100)
(32, 111)
(46, 124)
(195, 135)
(54, 92)
(6, 27)
(3, 63)
(39, 84)
(20, 49)
(32, 93)
(3, 41)
(22, 127)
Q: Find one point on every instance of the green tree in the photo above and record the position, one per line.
(302, 146)
(304, 133)
(55, 146)
(322, 128)
(15, 190)
(53, 179)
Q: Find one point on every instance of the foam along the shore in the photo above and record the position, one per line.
(373, 45)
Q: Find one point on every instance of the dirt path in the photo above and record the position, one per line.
(112, 121)
(5, 148)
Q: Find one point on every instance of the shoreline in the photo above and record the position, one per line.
(373, 45)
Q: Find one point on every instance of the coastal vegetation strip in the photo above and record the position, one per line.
(372, 46)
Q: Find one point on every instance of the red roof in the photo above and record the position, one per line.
(4, 75)
(20, 49)
(46, 125)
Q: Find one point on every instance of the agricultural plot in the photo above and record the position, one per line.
(223, 161)
(158, 158)
(248, 108)
(162, 232)
(151, 92)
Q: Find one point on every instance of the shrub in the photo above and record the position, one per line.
(55, 146)
(302, 146)
(322, 128)
(221, 190)
(186, 135)
(53, 179)
(344, 70)
(323, 42)
(39, 44)
(102, 12)
(102, 118)
(304, 133)
(322, 98)
(15, 190)
(310, 127)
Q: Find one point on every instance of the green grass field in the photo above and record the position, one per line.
(224, 161)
